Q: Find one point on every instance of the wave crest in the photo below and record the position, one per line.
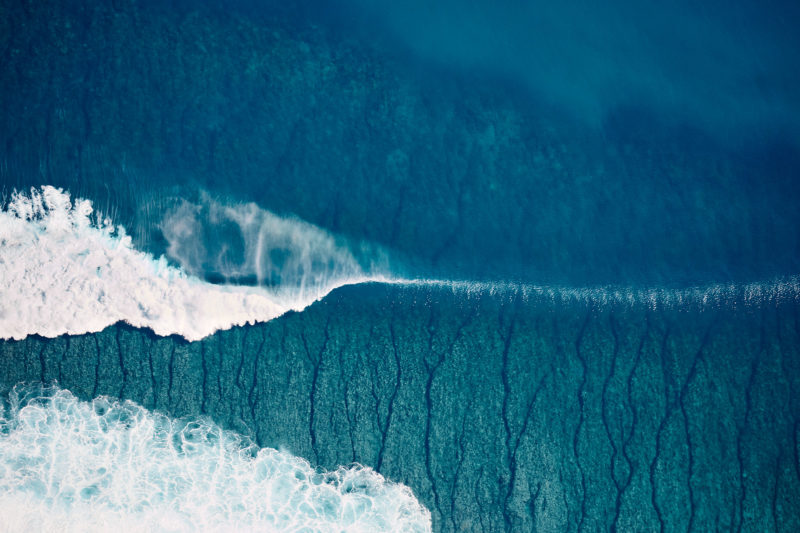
(66, 270)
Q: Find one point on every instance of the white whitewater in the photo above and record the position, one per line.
(64, 270)
(70, 465)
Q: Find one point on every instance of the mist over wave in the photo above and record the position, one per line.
(71, 465)
(242, 243)
(65, 270)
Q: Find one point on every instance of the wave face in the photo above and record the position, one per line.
(63, 270)
(70, 465)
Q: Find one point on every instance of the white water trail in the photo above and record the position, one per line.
(104, 465)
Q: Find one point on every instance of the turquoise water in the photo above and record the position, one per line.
(510, 266)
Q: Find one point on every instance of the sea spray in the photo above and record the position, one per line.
(234, 242)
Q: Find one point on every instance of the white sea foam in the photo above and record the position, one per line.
(65, 270)
(70, 465)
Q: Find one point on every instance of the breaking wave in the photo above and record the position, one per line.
(71, 465)
(67, 270)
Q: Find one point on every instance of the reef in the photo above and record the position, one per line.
(499, 412)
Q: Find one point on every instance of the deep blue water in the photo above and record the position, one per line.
(557, 145)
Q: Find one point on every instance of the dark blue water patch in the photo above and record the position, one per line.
(456, 173)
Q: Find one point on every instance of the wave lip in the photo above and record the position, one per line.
(71, 465)
(712, 295)
(65, 270)
(235, 242)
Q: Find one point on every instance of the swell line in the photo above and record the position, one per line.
(65, 269)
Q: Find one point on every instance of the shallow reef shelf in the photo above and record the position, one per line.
(500, 412)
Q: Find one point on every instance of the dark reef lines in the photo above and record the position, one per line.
(501, 414)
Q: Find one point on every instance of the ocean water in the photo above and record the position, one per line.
(377, 267)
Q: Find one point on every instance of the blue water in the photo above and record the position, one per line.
(570, 146)
(643, 156)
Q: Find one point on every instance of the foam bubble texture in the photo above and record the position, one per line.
(65, 271)
(70, 465)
